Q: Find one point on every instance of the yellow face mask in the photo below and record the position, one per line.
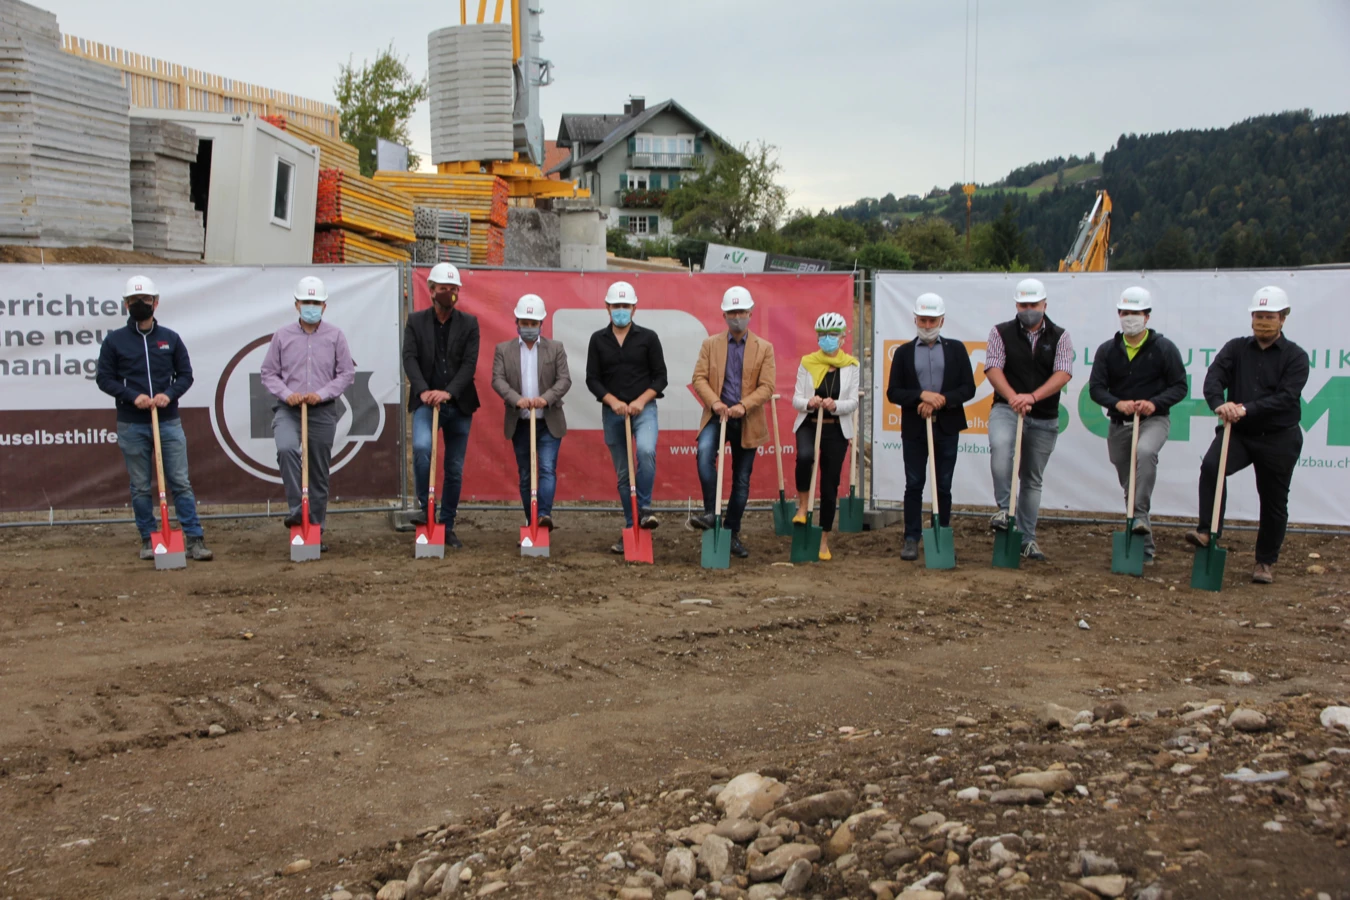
(1266, 329)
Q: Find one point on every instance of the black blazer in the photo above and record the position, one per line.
(958, 386)
(419, 358)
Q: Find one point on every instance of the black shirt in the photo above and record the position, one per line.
(440, 373)
(625, 371)
(1269, 382)
(1156, 374)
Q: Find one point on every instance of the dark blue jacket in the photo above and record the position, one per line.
(133, 362)
(958, 386)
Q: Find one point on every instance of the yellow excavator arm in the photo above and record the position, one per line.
(1089, 250)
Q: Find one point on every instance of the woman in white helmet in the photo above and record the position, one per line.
(828, 379)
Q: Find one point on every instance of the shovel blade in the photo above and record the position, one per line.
(169, 551)
(534, 541)
(1207, 567)
(1127, 552)
(783, 511)
(430, 542)
(851, 513)
(637, 545)
(1008, 548)
(805, 542)
(305, 542)
(716, 547)
(939, 551)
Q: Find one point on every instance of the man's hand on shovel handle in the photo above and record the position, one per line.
(144, 402)
(161, 400)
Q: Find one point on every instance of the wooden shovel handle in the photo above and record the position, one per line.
(1017, 466)
(1134, 467)
(777, 442)
(304, 448)
(721, 455)
(159, 454)
(815, 462)
(534, 456)
(932, 469)
(435, 434)
(1218, 488)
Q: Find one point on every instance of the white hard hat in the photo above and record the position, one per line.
(311, 288)
(929, 305)
(1029, 290)
(1269, 299)
(737, 299)
(1135, 299)
(139, 284)
(621, 293)
(531, 306)
(444, 273)
(831, 321)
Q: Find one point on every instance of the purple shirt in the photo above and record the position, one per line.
(734, 376)
(301, 363)
(995, 355)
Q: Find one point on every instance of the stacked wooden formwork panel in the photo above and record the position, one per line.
(65, 177)
(373, 220)
(333, 152)
(338, 245)
(164, 220)
(484, 198)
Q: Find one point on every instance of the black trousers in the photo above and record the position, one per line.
(1274, 456)
(833, 451)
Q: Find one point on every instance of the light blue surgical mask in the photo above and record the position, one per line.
(622, 317)
(528, 334)
(829, 343)
(310, 314)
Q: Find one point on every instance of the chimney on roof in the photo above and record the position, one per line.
(634, 105)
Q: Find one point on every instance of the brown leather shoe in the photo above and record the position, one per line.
(1197, 538)
(1262, 574)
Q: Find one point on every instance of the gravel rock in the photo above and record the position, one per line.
(750, 795)
(679, 870)
(715, 855)
(1336, 717)
(1018, 797)
(766, 892)
(393, 890)
(796, 877)
(829, 805)
(1105, 885)
(614, 860)
(295, 868)
(1056, 716)
(493, 887)
(642, 854)
(738, 830)
(921, 894)
(777, 861)
(1055, 780)
(216, 731)
(1086, 863)
(1249, 720)
(968, 795)
(927, 820)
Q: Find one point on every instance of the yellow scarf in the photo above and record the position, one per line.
(818, 364)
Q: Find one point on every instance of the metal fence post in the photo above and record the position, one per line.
(405, 294)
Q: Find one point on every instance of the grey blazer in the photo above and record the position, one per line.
(554, 382)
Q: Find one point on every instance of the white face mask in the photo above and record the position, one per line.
(928, 335)
(1132, 325)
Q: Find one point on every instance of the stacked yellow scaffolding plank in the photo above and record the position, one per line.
(359, 204)
(333, 153)
(338, 245)
(483, 197)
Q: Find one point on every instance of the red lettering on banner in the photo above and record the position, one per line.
(683, 310)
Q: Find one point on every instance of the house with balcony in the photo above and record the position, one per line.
(630, 161)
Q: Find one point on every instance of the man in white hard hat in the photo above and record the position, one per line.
(1028, 360)
(626, 371)
(931, 378)
(530, 373)
(734, 378)
(146, 365)
(1138, 372)
(308, 363)
(1256, 383)
(440, 354)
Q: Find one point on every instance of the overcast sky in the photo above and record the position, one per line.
(863, 97)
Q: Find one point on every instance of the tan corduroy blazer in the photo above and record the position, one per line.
(757, 383)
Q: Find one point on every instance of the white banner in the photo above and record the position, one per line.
(733, 260)
(53, 417)
(1199, 312)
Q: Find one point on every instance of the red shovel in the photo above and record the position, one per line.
(169, 552)
(533, 539)
(430, 541)
(637, 541)
(306, 538)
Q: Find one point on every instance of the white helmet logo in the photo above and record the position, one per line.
(138, 287)
(1264, 301)
(311, 292)
(623, 293)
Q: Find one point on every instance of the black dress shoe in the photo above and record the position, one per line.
(648, 520)
(701, 521)
(451, 540)
(737, 548)
(291, 521)
(546, 522)
(419, 519)
(910, 551)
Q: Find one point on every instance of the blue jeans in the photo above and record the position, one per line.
(548, 447)
(1038, 442)
(742, 464)
(455, 437)
(645, 433)
(945, 450)
(138, 449)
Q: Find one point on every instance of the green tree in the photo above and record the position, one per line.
(1343, 252)
(1006, 247)
(735, 195)
(884, 255)
(1173, 250)
(376, 101)
(930, 243)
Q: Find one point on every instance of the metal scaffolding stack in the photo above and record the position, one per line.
(163, 217)
(65, 177)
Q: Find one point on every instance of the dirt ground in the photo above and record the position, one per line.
(374, 706)
(15, 253)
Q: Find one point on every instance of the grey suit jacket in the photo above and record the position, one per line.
(554, 382)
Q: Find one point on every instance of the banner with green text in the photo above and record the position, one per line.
(1199, 312)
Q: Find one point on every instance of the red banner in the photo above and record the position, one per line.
(683, 310)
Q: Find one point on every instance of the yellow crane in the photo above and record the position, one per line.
(1089, 250)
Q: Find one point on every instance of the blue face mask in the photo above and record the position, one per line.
(622, 317)
(310, 313)
(829, 343)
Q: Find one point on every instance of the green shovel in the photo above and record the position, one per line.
(717, 540)
(1207, 567)
(806, 536)
(938, 550)
(1127, 548)
(783, 509)
(1008, 543)
(851, 507)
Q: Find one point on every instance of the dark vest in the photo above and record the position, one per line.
(1028, 369)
